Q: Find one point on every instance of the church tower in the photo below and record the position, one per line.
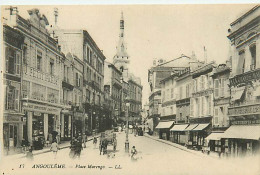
(121, 59)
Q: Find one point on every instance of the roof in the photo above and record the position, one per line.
(242, 132)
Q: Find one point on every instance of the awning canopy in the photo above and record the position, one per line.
(164, 125)
(201, 127)
(238, 94)
(214, 136)
(179, 127)
(191, 127)
(242, 132)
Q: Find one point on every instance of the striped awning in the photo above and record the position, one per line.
(179, 127)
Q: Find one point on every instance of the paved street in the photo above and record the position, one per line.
(158, 158)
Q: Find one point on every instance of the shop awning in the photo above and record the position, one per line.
(191, 127)
(214, 136)
(179, 127)
(238, 94)
(201, 127)
(164, 125)
(242, 132)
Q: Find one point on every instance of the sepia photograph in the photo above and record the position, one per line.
(130, 89)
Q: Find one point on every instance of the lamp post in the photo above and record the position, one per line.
(127, 127)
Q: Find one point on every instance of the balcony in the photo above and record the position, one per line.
(33, 72)
(245, 77)
(245, 103)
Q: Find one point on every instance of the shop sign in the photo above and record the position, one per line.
(245, 122)
(40, 108)
(244, 110)
(12, 119)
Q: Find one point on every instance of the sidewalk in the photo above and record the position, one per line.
(198, 153)
(63, 145)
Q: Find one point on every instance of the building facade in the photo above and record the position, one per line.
(41, 78)
(113, 81)
(82, 45)
(14, 124)
(244, 84)
(201, 105)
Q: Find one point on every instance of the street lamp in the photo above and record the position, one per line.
(127, 127)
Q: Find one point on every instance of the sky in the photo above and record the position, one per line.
(152, 31)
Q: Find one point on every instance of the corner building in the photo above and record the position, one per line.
(242, 137)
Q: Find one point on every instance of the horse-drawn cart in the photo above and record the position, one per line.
(107, 138)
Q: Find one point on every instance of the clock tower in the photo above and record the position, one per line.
(121, 59)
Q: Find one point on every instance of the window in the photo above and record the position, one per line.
(222, 87)
(187, 90)
(216, 120)
(172, 92)
(198, 106)
(216, 88)
(216, 111)
(202, 82)
(241, 62)
(26, 89)
(88, 54)
(39, 61)
(25, 61)
(13, 61)
(12, 98)
(192, 107)
(51, 66)
(194, 85)
(167, 94)
(52, 95)
(253, 56)
(210, 104)
(181, 92)
(202, 105)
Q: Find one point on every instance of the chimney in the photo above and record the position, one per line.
(56, 14)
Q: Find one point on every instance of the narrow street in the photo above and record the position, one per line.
(159, 157)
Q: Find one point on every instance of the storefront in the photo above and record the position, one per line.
(163, 129)
(43, 124)
(199, 134)
(12, 132)
(65, 125)
(214, 142)
(242, 140)
(177, 134)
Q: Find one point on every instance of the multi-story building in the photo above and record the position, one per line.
(67, 97)
(242, 137)
(158, 75)
(112, 80)
(221, 99)
(41, 77)
(201, 105)
(14, 125)
(132, 88)
(135, 99)
(82, 45)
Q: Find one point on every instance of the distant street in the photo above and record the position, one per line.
(156, 157)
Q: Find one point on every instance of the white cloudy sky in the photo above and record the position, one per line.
(152, 31)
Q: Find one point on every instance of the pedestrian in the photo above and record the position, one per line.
(133, 152)
(29, 154)
(95, 141)
(72, 148)
(54, 148)
(84, 140)
(78, 148)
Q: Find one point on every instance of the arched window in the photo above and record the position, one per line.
(122, 69)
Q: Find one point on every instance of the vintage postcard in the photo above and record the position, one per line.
(130, 89)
